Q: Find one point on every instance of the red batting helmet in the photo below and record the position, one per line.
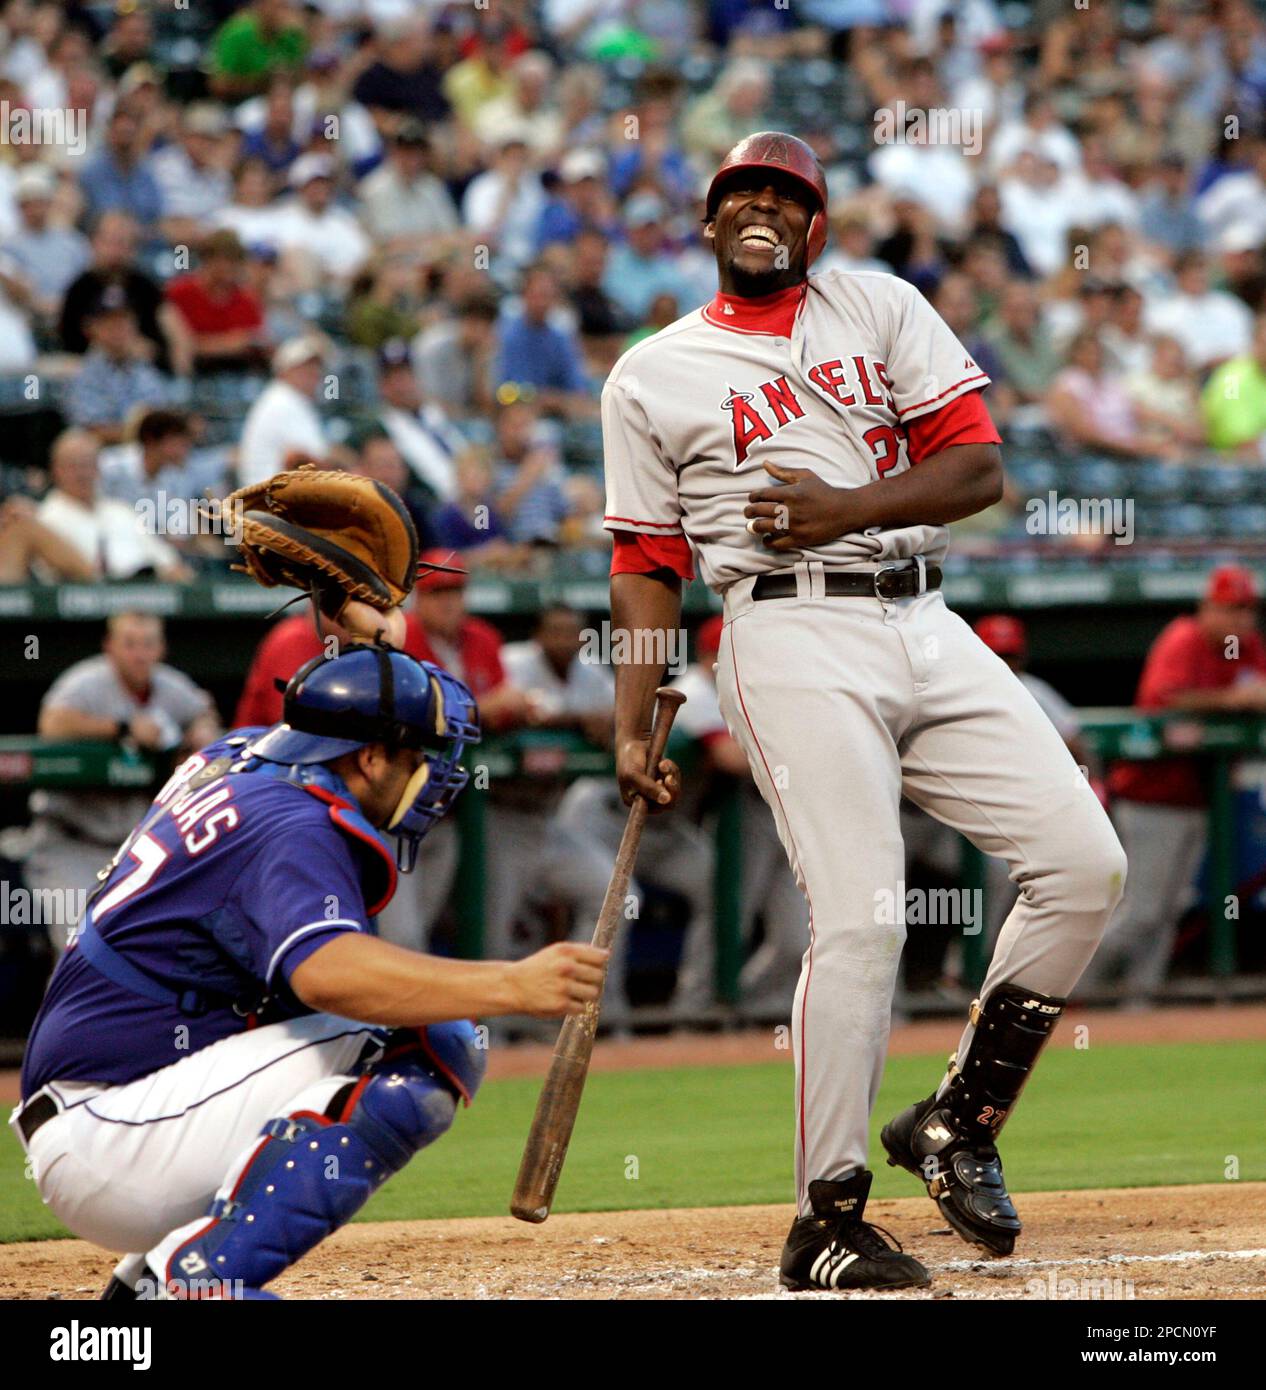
(771, 149)
(1003, 634)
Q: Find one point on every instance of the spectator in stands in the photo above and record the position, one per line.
(378, 458)
(469, 524)
(28, 547)
(282, 428)
(454, 357)
(386, 300)
(192, 175)
(223, 318)
(1214, 325)
(955, 301)
(313, 232)
(1039, 208)
(582, 202)
(270, 136)
(1209, 663)
(1038, 132)
(118, 177)
(403, 79)
(115, 377)
(656, 158)
(1023, 344)
(108, 535)
(533, 352)
(542, 859)
(114, 240)
(1090, 408)
(160, 467)
(733, 107)
(259, 40)
(1166, 217)
(252, 214)
(601, 321)
(1165, 394)
(1233, 402)
(529, 478)
(502, 206)
(419, 428)
(126, 693)
(525, 105)
(984, 223)
(405, 206)
(642, 267)
(17, 345)
(1126, 342)
(852, 247)
(912, 248)
(48, 254)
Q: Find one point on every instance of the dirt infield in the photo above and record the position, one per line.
(1142, 1243)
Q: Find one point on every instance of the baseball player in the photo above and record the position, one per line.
(806, 439)
(227, 1063)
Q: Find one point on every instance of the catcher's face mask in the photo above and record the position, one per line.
(374, 695)
(439, 778)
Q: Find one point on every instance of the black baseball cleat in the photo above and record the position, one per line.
(964, 1179)
(835, 1249)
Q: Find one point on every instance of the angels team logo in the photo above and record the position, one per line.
(747, 420)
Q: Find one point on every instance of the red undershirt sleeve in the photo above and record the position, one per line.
(964, 420)
(635, 553)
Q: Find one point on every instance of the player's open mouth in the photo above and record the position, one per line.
(759, 239)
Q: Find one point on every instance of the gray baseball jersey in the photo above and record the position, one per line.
(691, 415)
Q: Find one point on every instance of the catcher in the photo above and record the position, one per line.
(227, 1062)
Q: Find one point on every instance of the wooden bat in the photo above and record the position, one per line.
(555, 1117)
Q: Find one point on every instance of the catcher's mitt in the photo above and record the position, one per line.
(337, 536)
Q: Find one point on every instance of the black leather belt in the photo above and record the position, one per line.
(892, 581)
(35, 1113)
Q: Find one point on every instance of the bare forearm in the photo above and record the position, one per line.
(373, 981)
(647, 611)
(946, 487)
(60, 721)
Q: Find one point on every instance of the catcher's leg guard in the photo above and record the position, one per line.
(948, 1139)
(311, 1170)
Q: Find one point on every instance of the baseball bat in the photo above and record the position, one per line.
(546, 1146)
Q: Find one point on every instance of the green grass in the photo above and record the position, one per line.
(1106, 1117)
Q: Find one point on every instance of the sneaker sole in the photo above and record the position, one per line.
(1005, 1243)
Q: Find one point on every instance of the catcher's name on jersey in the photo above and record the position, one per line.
(691, 415)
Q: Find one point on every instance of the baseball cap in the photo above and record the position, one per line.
(308, 167)
(1002, 634)
(429, 581)
(395, 352)
(1232, 585)
(206, 118)
(643, 209)
(35, 181)
(581, 164)
(295, 351)
(708, 638)
(111, 300)
(411, 131)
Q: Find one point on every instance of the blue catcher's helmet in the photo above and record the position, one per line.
(378, 695)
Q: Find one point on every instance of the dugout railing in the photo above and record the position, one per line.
(27, 763)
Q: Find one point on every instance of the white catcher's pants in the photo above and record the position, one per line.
(843, 704)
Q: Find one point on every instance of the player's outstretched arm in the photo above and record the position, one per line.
(801, 511)
(648, 609)
(372, 981)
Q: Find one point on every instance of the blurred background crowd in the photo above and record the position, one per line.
(409, 238)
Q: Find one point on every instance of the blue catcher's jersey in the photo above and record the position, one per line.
(235, 876)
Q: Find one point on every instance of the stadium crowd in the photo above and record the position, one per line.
(409, 238)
